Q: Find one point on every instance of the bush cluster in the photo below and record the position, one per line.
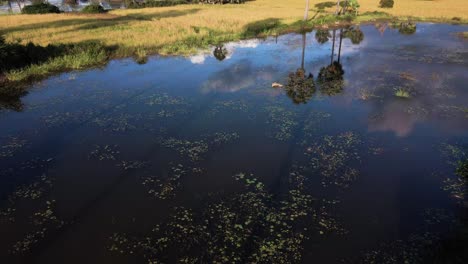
(93, 9)
(386, 3)
(40, 8)
(156, 3)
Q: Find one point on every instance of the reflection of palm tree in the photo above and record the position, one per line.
(300, 87)
(355, 34)
(322, 36)
(220, 53)
(330, 78)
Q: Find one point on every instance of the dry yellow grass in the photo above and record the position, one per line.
(153, 29)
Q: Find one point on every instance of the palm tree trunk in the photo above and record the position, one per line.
(339, 49)
(306, 15)
(303, 49)
(333, 47)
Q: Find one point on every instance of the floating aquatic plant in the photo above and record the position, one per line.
(332, 158)
(229, 105)
(120, 123)
(106, 152)
(165, 187)
(402, 93)
(41, 221)
(457, 183)
(195, 150)
(248, 227)
(313, 125)
(12, 146)
(132, 164)
(282, 122)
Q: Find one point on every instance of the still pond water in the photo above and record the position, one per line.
(351, 158)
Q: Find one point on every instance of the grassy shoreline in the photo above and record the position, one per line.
(166, 31)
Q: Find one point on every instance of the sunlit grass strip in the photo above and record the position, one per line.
(78, 61)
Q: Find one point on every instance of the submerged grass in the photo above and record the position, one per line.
(181, 30)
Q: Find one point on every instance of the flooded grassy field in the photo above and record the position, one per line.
(334, 146)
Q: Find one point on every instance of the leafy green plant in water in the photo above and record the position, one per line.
(165, 187)
(121, 123)
(195, 150)
(333, 157)
(402, 93)
(457, 157)
(282, 122)
(462, 169)
(106, 152)
(313, 125)
(12, 146)
(229, 106)
(248, 227)
(41, 221)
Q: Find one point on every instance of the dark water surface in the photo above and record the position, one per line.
(200, 160)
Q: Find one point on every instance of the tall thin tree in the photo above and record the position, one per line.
(306, 14)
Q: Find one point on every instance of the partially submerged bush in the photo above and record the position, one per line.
(386, 3)
(93, 9)
(40, 8)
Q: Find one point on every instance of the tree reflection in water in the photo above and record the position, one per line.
(300, 86)
(330, 78)
(220, 53)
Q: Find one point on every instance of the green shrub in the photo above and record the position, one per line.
(386, 3)
(93, 9)
(156, 3)
(40, 8)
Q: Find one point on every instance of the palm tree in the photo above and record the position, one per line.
(306, 15)
(337, 7)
